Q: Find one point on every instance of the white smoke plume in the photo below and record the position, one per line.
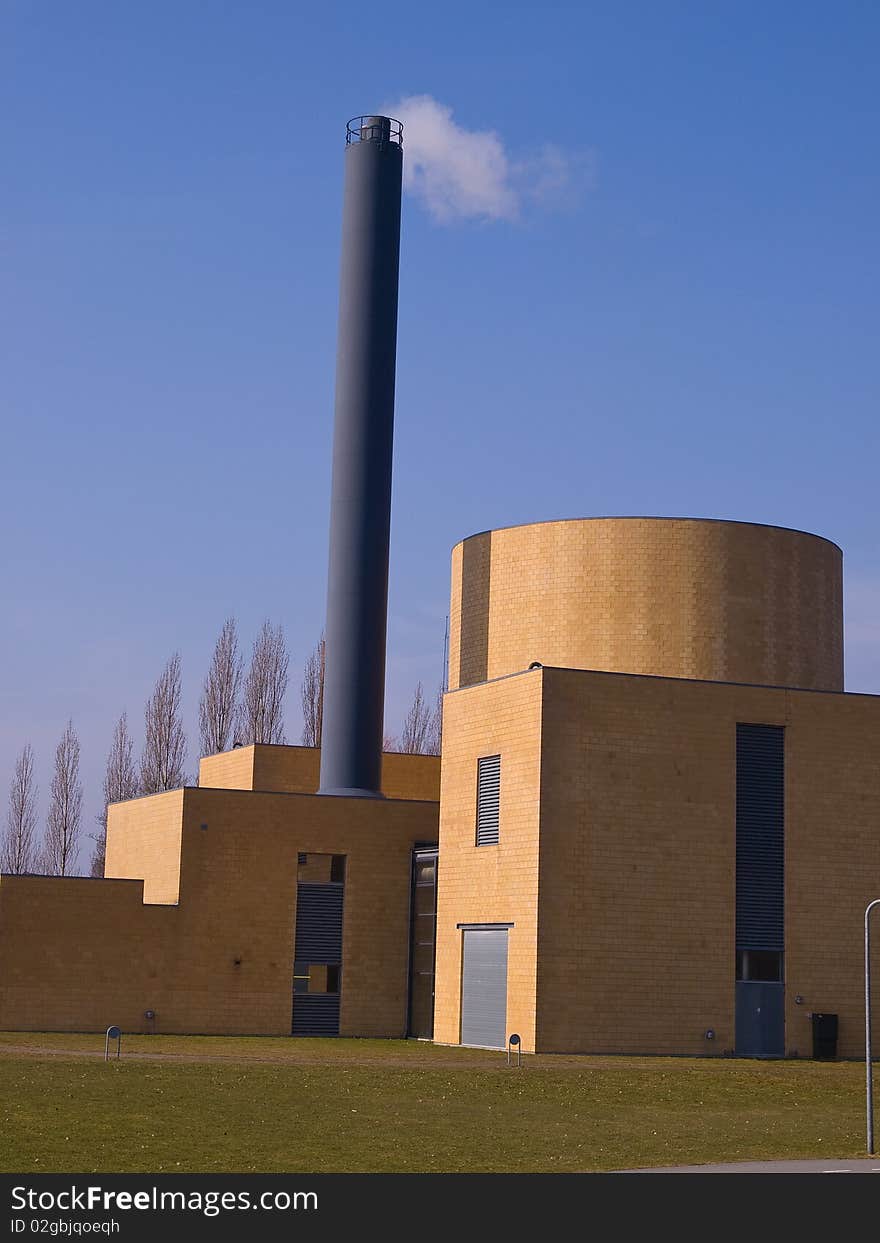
(459, 173)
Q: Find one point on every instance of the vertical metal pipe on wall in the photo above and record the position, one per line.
(360, 510)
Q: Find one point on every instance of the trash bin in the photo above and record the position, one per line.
(824, 1036)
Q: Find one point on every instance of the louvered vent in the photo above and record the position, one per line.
(488, 799)
(760, 819)
(315, 1014)
(319, 923)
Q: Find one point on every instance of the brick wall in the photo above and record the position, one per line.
(634, 863)
(143, 843)
(79, 954)
(637, 887)
(832, 862)
(490, 884)
(295, 770)
(685, 598)
(244, 867)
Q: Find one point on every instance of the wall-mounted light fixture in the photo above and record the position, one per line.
(709, 1033)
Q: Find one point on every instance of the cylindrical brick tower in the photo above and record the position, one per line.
(674, 597)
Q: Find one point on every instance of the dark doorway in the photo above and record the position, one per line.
(422, 942)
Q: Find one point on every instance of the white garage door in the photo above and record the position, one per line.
(484, 988)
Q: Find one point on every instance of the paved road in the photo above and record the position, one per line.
(870, 1165)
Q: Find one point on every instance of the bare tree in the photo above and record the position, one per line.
(435, 726)
(120, 783)
(65, 807)
(164, 751)
(19, 853)
(261, 714)
(219, 702)
(416, 726)
(312, 694)
(389, 742)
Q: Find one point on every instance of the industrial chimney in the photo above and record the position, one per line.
(360, 508)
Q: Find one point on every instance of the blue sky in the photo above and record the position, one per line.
(653, 291)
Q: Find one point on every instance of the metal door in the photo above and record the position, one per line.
(484, 988)
(760, 1019)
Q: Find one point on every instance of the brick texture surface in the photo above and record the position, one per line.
(295, 770)
(684, 598)
(143, 843)
(79, 954)
(495, 884)
(618, 830)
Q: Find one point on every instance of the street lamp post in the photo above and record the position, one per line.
(869, 1079)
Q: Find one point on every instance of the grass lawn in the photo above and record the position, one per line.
(186, 1104)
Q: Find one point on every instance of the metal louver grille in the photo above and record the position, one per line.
(760, 820)
(315, 1014)
(319, 923)
(488, 799)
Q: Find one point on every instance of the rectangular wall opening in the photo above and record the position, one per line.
(317, 966)
(760, 890)
(423, 933)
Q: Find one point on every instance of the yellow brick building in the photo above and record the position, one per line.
(688, 806)
(194, 927)
(654, 828)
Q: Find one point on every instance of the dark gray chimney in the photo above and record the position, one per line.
(360, 507)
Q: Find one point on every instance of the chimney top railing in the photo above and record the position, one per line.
(374, 129)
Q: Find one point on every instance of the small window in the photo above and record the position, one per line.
(424, 900)
(488, 799)
(764, 966)
(315, 977)
(319, 869)
(426, 871)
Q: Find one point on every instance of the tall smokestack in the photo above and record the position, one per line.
(360, 508)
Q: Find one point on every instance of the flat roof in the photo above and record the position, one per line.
(738, 522)
(661, 677)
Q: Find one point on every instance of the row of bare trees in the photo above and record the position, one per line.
(257, 717)
(235, 708)
(56, 852)
(421, 728)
